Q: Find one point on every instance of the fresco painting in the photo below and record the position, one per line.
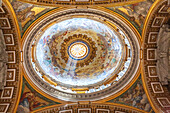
(27, 13)
(135, 96)
(135, 12)
(108, 52)
(31, 100)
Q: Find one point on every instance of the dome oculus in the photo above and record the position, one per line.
(78, 50)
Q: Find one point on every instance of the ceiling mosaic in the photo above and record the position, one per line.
(135, 96)
(135, 13)
(82, 58)
(27, 13)
(31, 100)
(79, 52)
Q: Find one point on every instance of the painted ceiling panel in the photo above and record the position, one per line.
(70, 50)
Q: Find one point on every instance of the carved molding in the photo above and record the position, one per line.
(90, 108)
(9, 60)
(153, 45)
(3, 61)
(81, 3)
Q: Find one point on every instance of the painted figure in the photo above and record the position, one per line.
(28, 102)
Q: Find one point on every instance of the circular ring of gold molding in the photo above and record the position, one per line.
(99, 15)
(98, 107)
(84, 40)
(78, 50)
(82, 3)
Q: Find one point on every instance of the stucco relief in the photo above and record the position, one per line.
(162, 54)
(3, 61)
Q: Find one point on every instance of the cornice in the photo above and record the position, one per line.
(73, 3)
